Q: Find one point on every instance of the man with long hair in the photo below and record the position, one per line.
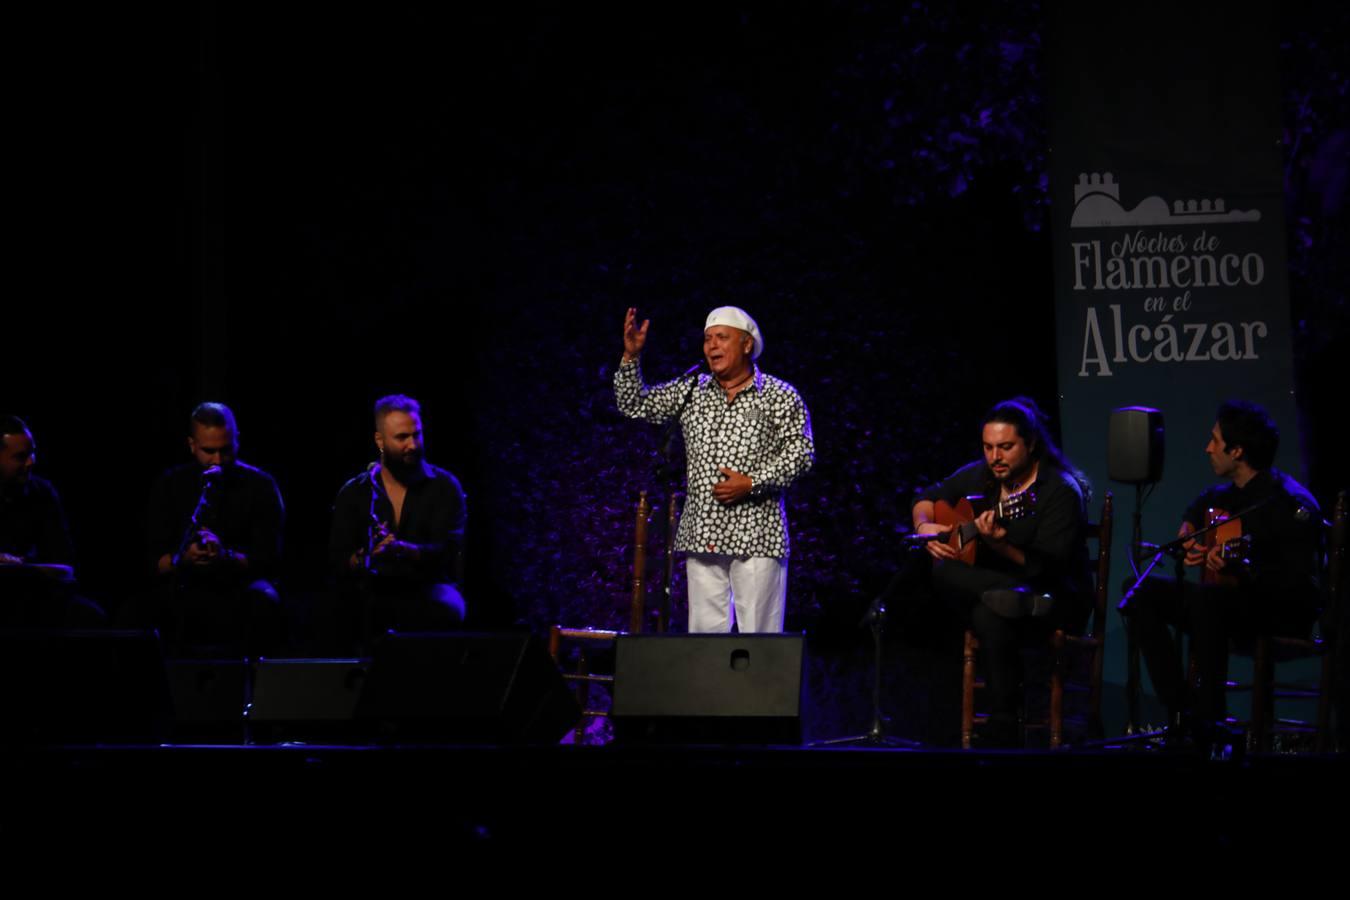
(1030, 573)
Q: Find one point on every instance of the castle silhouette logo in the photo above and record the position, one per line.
(1096, 204)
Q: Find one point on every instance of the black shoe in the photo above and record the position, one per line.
(1016, 603)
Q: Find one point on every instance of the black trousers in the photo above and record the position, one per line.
(1213, 616)
(210, 617)
(1001, 639)
(29, 599)
(367, 608)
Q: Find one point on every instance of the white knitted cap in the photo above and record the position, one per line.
(737, 318)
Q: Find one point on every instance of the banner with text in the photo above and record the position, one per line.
(1168, 231)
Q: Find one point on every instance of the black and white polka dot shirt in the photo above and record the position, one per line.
(765, 433)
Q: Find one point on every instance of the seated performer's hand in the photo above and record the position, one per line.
(204, 551)
(392, 548)
(1195, 551)
(1214, 560)
(732, 487)
(938, 549)
(990, 530)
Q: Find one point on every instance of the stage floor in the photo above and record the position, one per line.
(576, 799)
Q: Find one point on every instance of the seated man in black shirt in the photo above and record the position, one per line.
(215, 546)
(37, 559)
(1268, 587)
(398, 529)
(1030, 573)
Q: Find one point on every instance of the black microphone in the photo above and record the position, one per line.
(692, 369)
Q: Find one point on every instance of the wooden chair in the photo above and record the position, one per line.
(575, 650)
(1063, 646)
(587, 642)
(1271, 650)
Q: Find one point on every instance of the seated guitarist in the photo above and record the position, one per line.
(1029, 572)
(1269, 586)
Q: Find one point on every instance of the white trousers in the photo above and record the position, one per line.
(750, 591)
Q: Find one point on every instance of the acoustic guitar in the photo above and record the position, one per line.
(959, 518)
(1235, 547)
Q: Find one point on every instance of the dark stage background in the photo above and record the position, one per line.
(295, 211)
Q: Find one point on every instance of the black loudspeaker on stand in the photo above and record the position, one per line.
(1135, 451)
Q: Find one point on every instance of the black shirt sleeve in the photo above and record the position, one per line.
(163, 534)
(969, 479)
(52, 544)
(351, 519)
(441, 537)
(265, 526)
(246, 512)
(1060, 519)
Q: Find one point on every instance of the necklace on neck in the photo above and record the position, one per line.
(744, 381)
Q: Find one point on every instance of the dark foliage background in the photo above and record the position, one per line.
(295, 210)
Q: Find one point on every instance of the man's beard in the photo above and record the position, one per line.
(1012, 478)
(408, 471)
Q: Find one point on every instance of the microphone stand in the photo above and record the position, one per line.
(196, 523)
(875, 620)
(665, 470)
(373, 528)
(1176, 549)
(667, 474)
(199, 513)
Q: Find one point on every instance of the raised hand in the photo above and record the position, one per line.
(634, 338)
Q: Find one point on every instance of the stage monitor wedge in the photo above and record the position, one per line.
(708, 688)
(83, 687)
(462, 687)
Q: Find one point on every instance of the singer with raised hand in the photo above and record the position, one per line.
(397, 539)
(1263, 581)
(215, 532)
(747, 438)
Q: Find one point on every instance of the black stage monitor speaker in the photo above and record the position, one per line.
(208, 699)
(306, 699)
(1135, 445)
(476, 688)
(82, 687)
(298, 690)
(708, 688)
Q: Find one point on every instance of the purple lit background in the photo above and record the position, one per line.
(295, 211)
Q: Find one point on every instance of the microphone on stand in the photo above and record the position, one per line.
(691, 370)
(666, 468)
